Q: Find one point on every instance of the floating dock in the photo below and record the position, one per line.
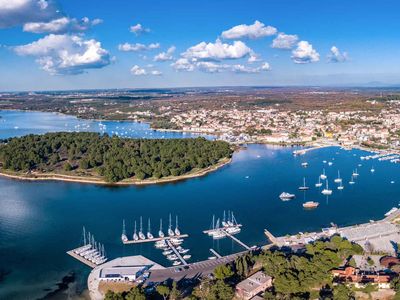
(172, 247)
(238, 241)
(166, 238)
(81, 259)
(217, 255)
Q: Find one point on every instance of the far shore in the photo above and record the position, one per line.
(100, 181)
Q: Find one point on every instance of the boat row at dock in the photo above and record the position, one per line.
(91, 253)
(221, 228)
(140, 235)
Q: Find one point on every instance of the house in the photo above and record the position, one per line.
(359, 278)
(253, 285)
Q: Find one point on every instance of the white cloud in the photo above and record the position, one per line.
(246, 69)
(284, 41)
(265, 67)
(156, 73)
(336, 56)
(211, 67)
(139, 71)
(18, 12)
(61, 25)
(66, 54)
(183, 64)
(254, 31)
(304, 53)
(217, 51)
(139, 29)
(165, 56)
(126, 47)
(253, 58)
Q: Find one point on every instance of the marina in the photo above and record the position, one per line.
(37, 212)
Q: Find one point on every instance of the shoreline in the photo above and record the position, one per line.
(126, 182)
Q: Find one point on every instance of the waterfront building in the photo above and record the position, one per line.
(253, 285)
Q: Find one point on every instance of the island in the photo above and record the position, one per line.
(99, 158)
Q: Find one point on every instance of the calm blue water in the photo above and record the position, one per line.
(40, 221)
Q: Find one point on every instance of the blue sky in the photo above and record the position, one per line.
(71, 44)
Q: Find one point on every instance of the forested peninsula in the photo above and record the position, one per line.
(94, 158)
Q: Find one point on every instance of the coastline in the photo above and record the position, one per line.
(126, 182)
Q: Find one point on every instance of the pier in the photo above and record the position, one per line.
(166, 238)
(237, 241)
(304, 151)
(81, 259)
(217, 255)
(172, 247)
(270, 236)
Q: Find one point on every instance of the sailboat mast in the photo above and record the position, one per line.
(176, 222)
(160, 224)
(170, 222)
(84, 236)
(141, 224)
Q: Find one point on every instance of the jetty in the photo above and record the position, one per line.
(166, 238)
(172, 247)
(217, 255)
(304, 151)
(238, 241)
(81, 259)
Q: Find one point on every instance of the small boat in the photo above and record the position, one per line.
(135, 235)
(141, 234)
(160, 232)
(170, 231)
(212, 257)
(324, 161)
(355, 173)
(124, 237)
(330, 163)
(310, 204)
(187, 256)
(326, 191)
(352, 180)
(177, 231)
(340, 187)
(372, 170)
(304, 164)
(183, 251)
(304, 187)
(323, 176)
(319, 183)
(167, 252)
(176, 263)
(161, 244)
(392, 182)
(172, 257)
(338, 179)
(287, 196)
(149, 235)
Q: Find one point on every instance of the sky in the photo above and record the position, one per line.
(93, 44)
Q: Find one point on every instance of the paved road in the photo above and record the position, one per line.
(194, 270)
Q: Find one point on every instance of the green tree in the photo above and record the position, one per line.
(223, 272)
(220, 291)
(163, 290)
(135, 293)
(67, 167)
(342, 292)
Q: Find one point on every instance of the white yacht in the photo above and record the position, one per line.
(149, 235)
(160, 232)
(167, 252)
(326, 190)
(177, 231)
(372, 170)
(187, 256)
(135, 235)
(323, 176)
(170, 231)
(352, 180)
(304, 187)
(338, 179)
(176, 263)
(286, 196)
(319, 183)
(124, 237)
(304, 164)
(141, 234)
(340, 187)
(330, 163)
(355, 173)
